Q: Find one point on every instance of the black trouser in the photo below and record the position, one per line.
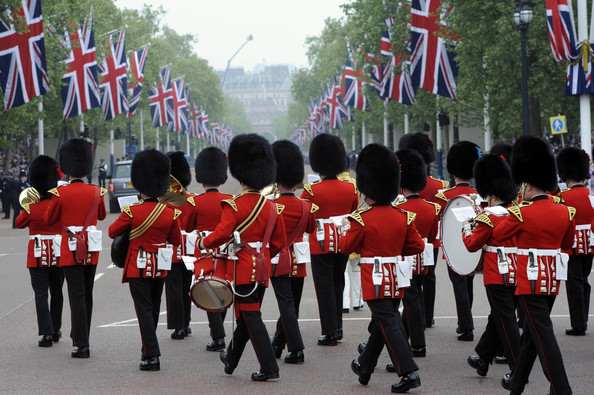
(429, 289)
(463, 293)
(538, 338)
(5, 206)
(179, 303)
(102, 178)
(502, 332)
(146, 294)
(16, 208)
(413, 319)
(49, 317)
(578, 289)
(216, 322)
(80, 280)
(387, 329)
(288, 291)
(250, 327)
(328, 276)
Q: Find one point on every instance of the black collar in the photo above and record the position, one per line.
(413, 196)
(212, 190)
(462, 184)
(151, 199)
(578, 186)
(287, 194)
(77, 180)
(539, 197)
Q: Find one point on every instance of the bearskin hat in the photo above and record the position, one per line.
(251, 160)
(211, 167)
(180, 167)
(502, 149)
(573, 164)
(492, 176)
(461, 158)
(378, 173)
(289, 163)
(421, 143)
(43, 174)
(76, 158)
(327, 155)
(532, 161)
(413, 171)
(150, 173)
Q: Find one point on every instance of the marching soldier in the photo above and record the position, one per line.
(334, 198)
(77, 207)
(179, 277)
(413, 179)
(423, 145)
(289, 272)
(43, 252)
(460, 159)
(204, 216)
(254, 220)
(541, 228)
(382, 234)
(574, 169)
(151, 226)
(494, 182)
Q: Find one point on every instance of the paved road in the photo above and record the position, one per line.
(187, 368)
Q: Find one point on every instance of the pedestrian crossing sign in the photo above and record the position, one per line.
(558, 124)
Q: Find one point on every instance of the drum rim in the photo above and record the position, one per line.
(216, 279)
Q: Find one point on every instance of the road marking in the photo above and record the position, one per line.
(16, 308)
(111, 266)
(98, 276)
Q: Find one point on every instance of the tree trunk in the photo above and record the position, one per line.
(7, 152)
(535, 118)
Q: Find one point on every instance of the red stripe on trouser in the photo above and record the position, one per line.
(245, 322)
(540, 345)
(388, 345)
(502, 324)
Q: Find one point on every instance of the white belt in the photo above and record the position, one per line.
(506, 250)
(381, 259)
(204, 233)
(539, 252)
(257, 245)
(42, 237)
(583, 227)
(184, 233)
(80, 228)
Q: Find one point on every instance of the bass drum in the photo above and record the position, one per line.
(210, 290)
(457, 256)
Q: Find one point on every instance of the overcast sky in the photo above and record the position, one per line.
(279, 27)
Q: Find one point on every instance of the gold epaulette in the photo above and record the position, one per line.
(279, 208)
(126, 209)
(176, 213)
(484, 218)
(516, 211)
(54, 191)
(441, 196)
(231, 202)
(351, 181)
(191, 200)
(401, 200)
(314, 208)
(556, 199)
(565, 190)
(437, 208)
(410, 217)
(571, 212)
(356, 215)
(103, 191)
(307, 187)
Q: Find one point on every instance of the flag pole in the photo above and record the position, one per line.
(157, 139)
(40, 144)
(141, 132)
(585, 115)
(385, 123)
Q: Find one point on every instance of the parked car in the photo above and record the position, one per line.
(120, 184)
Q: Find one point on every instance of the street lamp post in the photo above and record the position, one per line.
(522, 17)
(247, 40)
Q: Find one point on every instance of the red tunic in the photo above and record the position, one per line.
(292, 212)
(333, 197)
(235, 211)
(433, 187)
(206, 212)
(444, 197)
(381, 231)
(69, 207)
(33, 218)
(540, 224)
(578, 198)
(164, 230)
(426, 222)
(185, 209)
(483, 235)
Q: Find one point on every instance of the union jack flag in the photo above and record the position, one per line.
(336, 108)
(206, 134)
(23, 72)
(194, 121)
(579, 72)
(80, 88)
(397, 86)
(114, 77)
(161, 98)
(137, 61)
(432, 66)
(561, 33)
(178, 108)
(352, 87)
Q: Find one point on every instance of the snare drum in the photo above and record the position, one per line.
(211, 291)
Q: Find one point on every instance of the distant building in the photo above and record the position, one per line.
(265, 92)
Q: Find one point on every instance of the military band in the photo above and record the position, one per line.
(524, 248)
